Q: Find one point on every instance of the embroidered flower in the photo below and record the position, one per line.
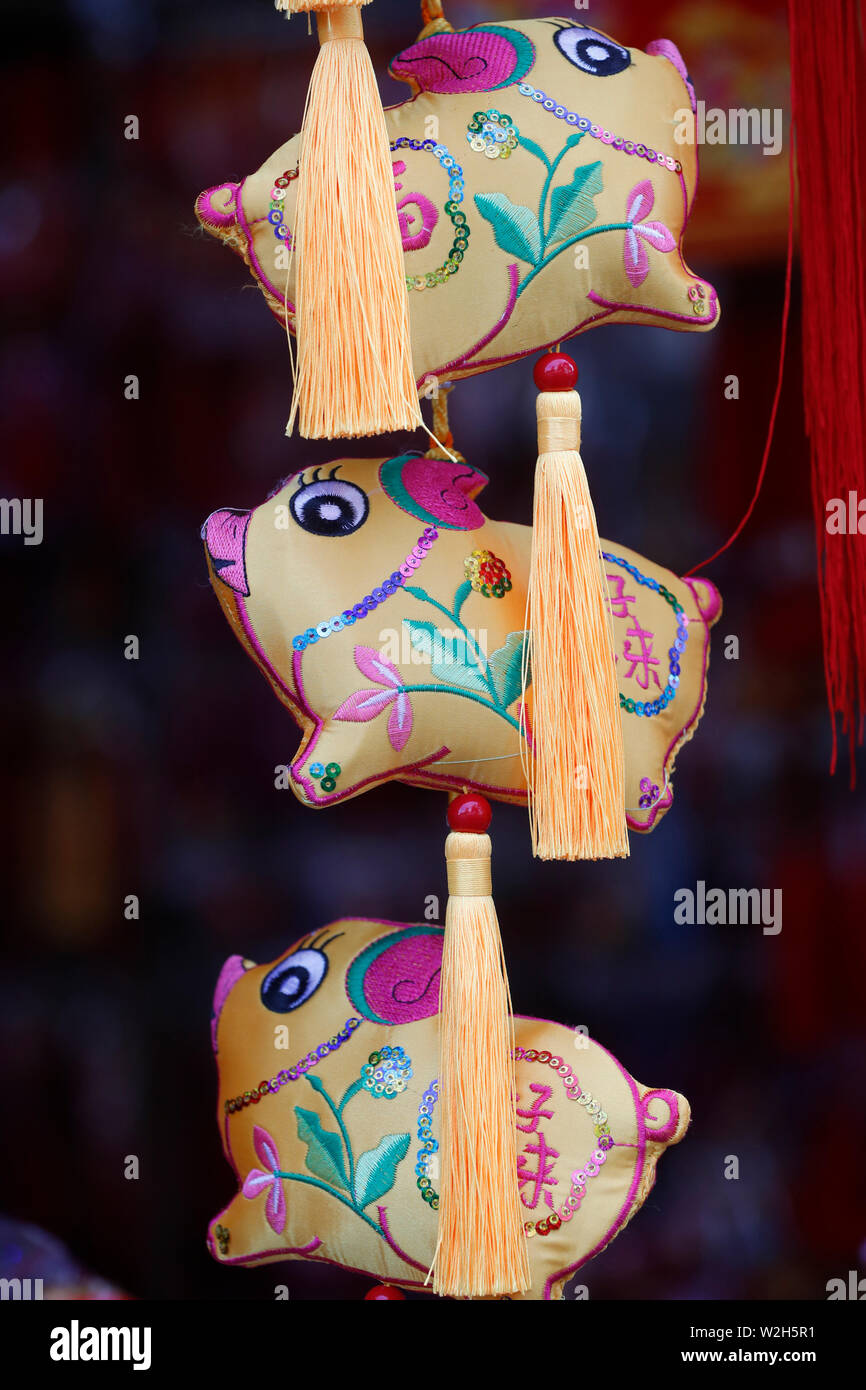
(487, 573)
(387, 1072)
(640, 205)
(257, 1181)
(367, 704)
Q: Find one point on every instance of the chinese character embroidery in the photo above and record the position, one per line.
(536, 1177)
(641, 660)
(619, 600)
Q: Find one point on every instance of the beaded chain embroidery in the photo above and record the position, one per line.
(428, 1146)
(278, 195)
(451, 264)
(312, 1059)
(389, 586)
(593, 1165)
(598, 132)
(651, 707)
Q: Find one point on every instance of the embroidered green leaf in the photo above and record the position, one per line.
(533, 148)
(515, 227)
(417, 592)
(324, 1149)
(461, 596)
(377, 1169)
(451, 659)
(572, 208)
(421, 635)
(505, 666)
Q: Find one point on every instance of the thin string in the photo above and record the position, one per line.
(786, 309)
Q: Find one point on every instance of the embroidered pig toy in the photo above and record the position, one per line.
(543, 174)
(328, 1093)
(387, 612)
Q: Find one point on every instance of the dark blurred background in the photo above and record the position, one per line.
(155, 777)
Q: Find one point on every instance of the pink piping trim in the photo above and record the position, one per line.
(309, 745)
(494, 332)
(679, 739)
(262, 657)
(660, 313)
(320, 1260)
(407, 1259)
(630, 1196)
(266, 1254)
(290, 308)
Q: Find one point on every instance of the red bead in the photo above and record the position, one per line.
(469, 812)
(385, 1293)
(555, 371)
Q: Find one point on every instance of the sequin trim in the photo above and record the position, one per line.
(593, 1165)
(583, 123)
(451, 264)
(427, 1146)
(371, 601)
(648, 708)
(294, 1073)
(275, 207)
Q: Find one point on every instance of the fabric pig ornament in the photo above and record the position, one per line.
(543, 176)
(337, 1152)
(387, 612)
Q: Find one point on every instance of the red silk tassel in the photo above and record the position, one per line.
(827, 83)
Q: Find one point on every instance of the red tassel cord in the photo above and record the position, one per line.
(827, 86)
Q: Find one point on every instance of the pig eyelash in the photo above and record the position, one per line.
(314, 945)
(327, 505)
(316, 478)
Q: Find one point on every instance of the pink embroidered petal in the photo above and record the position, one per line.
(657, 235)
(640, 201)
(400, 723)
(275, 1207)
(635, 257)
(254, 1181)
(364, 705)
(266, 1149)
(377, 667)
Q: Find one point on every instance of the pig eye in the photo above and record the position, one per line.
(329, 506)
(592, 52)
(294, 980)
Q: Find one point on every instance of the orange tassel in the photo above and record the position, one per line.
(353, 374)
(575, 772)
(482, 1248)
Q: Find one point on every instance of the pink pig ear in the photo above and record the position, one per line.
(225, 535)
(484, 58)
(437, 491)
